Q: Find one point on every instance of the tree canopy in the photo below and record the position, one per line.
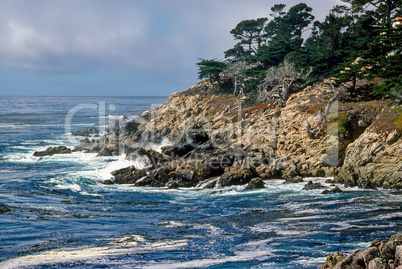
(360, 39)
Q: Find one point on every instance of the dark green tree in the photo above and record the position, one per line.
(210, 69)
(383, 55)
(283, 36)
(250, 33)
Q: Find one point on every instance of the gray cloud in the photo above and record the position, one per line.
(56, 35)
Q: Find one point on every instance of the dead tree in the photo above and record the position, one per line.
(278, 82)
(235, 71)
(314, 132)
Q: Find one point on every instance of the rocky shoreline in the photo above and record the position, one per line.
(382, 254)
(213, 140)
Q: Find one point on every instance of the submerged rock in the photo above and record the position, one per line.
(334, 190)
(4, 208)
(313, 186)
(255, 183)
(52, 151)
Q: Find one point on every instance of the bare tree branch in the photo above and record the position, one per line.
(314, 132)
(278, 81)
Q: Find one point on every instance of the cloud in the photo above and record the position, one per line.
(120, 47)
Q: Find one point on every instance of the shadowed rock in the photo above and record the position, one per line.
(380, 255)
(128, 175)
(255, 183)
(86, 132)
(313, 186)
(334, 190)
(52, 151)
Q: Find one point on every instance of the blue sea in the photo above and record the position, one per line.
(62, 216)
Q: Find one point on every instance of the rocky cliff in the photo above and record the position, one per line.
(216, 140)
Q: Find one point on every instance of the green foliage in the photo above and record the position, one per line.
(249, 33)
(210, 69)
(362, 29)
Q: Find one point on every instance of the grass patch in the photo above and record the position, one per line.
(315, 108)
(343, 124)
(391, 120)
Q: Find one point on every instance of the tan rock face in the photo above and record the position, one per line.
(352, 144)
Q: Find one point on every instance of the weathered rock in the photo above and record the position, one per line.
(313, 185)
(255, 183)
(112, 150)
(296, 179)
(331, 261)
(86, 132)
(85, 145)
(108, 182)
(392, 137)
(239, 174)
(334, 190)
(52, 151)
(153, 157)
(398, 255)
(317, 172)
(377, 263)
(208, 184)
(380, 255)
(373, 160)
(128, 175)
(172, 185)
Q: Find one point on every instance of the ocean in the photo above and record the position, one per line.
(56, 213)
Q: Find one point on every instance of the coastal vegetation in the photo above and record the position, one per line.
(289, 49)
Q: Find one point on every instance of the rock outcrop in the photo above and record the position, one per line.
(52, 151)
(86, 132)
(213, 138)
(380, 255)
(255, 183)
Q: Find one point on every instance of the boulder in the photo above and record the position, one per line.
(85, 145)
(128, 175)
(334, 190)
(52, 151)
(208, 184)
(398, 255)
(239, 174)
(172, 185)
(192, 138)
(110, 150)
(313, 185)
(108, 182)
(153, 157)
(86, 132)
(292, 180)
(255, 183)
(377, 263)
(333, 260)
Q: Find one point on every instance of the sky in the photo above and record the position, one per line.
(119, 47)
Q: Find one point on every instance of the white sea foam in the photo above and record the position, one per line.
(239, 257)
(122, 246)
(158, 147)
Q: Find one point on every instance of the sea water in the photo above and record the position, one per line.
(62, 216)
